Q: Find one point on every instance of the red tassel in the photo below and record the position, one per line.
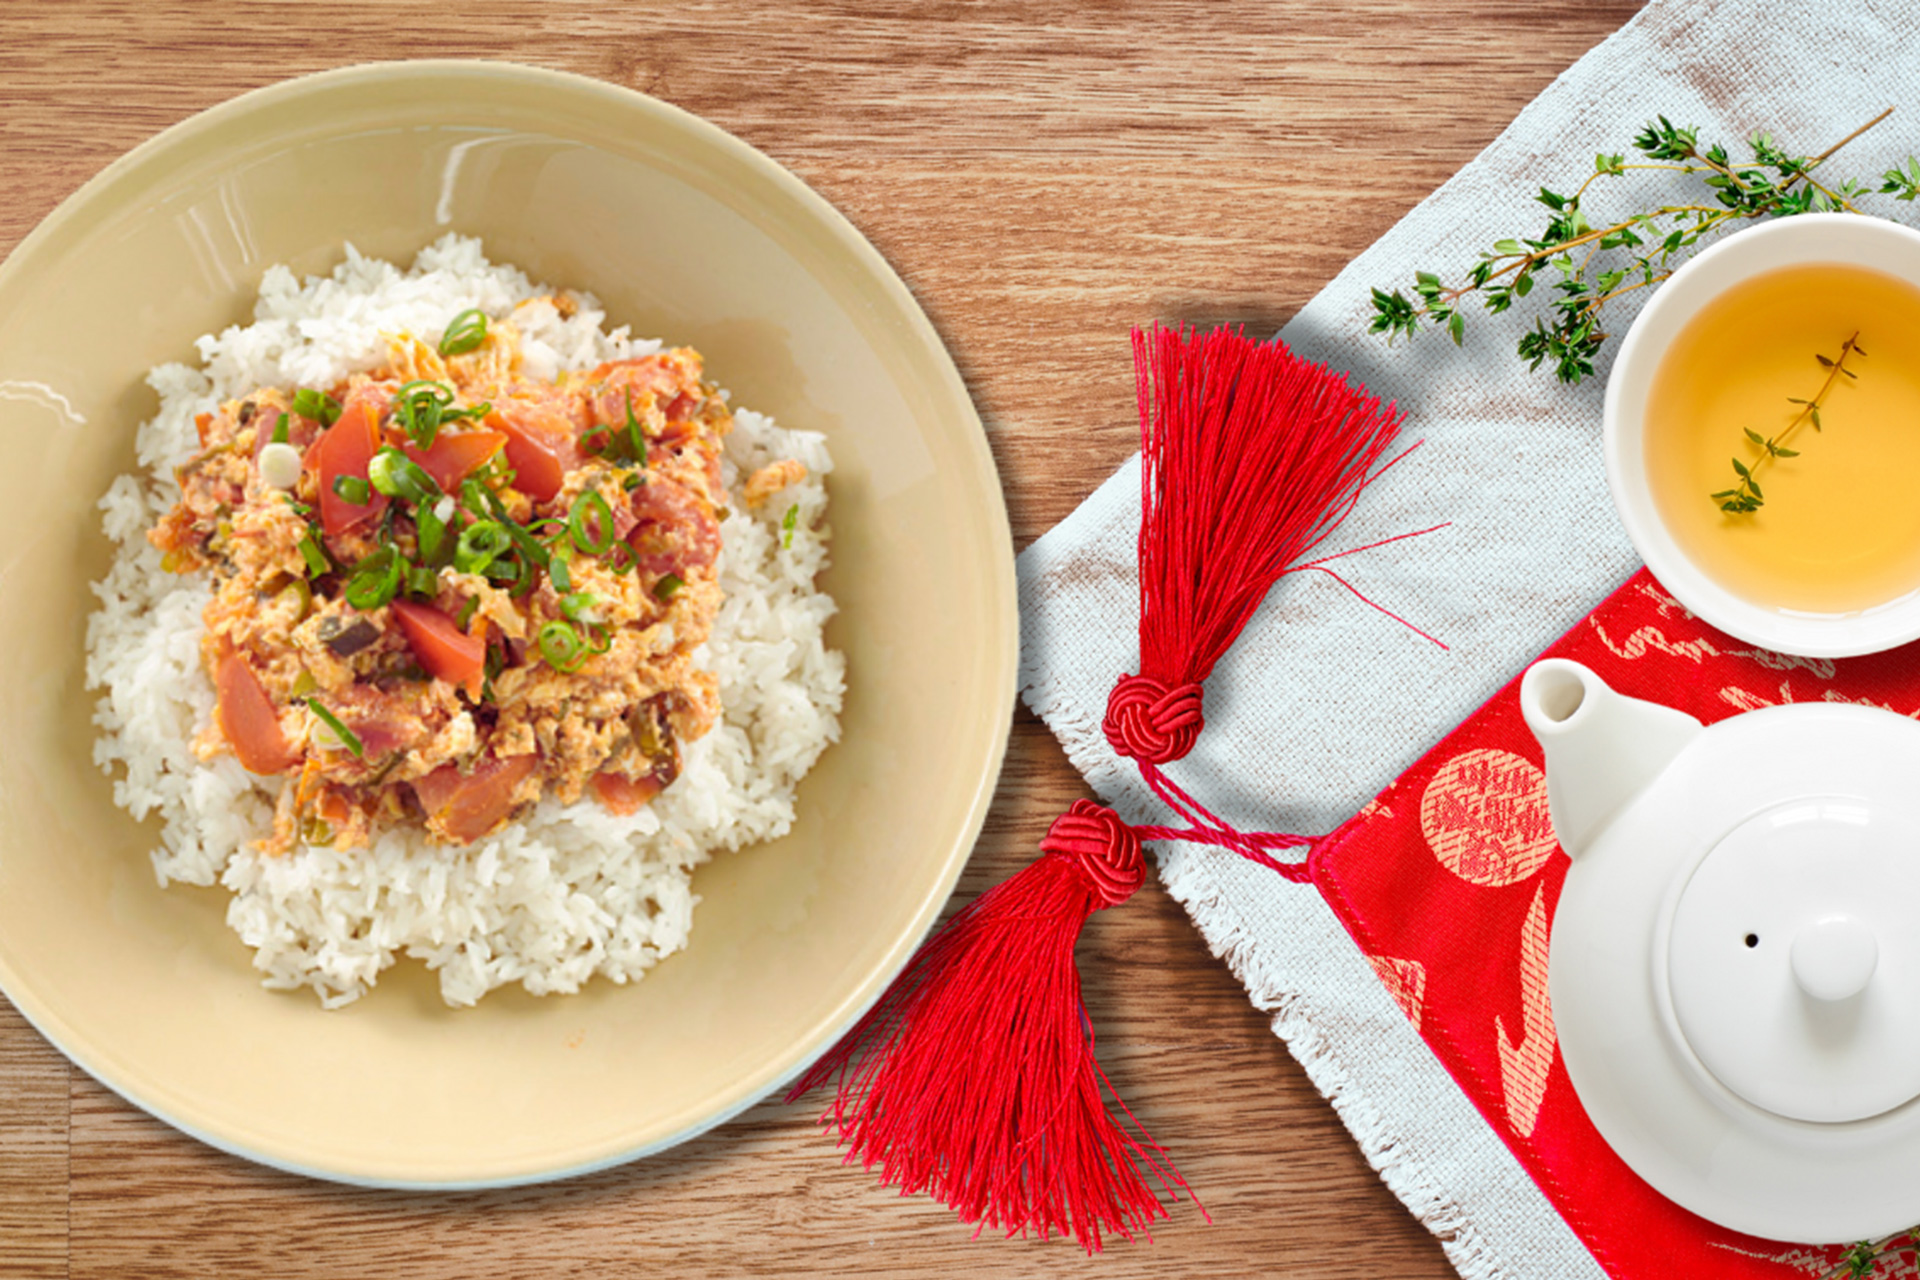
(974, 1078)
(1249, 458)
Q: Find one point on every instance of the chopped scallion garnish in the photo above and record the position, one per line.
(376, 579)
(666, 588)
(561, 574)
(316, 406)
(590, 523)
(464, 333)
(280, 434)
(398, 476)
(481, 543)
(340, 730)
(562, 646)
(317, 562)
(787, 523)
(353, 489)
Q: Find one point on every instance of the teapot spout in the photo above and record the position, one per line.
(1602, 748)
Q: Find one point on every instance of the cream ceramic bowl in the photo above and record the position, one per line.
(686, 233)
(1850, 239)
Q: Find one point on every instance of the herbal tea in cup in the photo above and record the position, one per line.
(1779, 427)
(1761, 421)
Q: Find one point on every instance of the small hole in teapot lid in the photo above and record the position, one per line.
(1753, 939)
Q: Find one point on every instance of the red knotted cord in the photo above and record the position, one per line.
(974, 1077)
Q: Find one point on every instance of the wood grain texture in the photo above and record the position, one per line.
(1043, 176)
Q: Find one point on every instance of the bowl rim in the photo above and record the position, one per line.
(1840, 635)
(756, 1086)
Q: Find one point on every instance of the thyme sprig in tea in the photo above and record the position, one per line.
(1746, 498)
(1582, 262)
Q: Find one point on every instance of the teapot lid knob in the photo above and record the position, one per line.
(1834, 957)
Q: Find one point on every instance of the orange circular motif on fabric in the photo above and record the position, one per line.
(1484, 815)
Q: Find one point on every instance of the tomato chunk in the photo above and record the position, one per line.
(447, 652)
(345, 449)
(673, 531)
(623, 795)
(454, 456)
(540, 447)
(248, 719)
(467, 806)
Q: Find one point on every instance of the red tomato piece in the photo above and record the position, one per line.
(675, 531)
(540, 446)
(248, 719)
(454, 456)
(623, 795)
(467, 806)
(345, 449)
(447, 652)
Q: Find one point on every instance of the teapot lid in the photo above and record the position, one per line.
(1793, 961)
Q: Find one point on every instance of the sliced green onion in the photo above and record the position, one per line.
(561, 574)
(376, 579)
(562, 646)
(464, 333)
(398, 476)
(316, 406)
(317, 562)
(787, 523)
(422, 581)
(591, 507)
(431, 530)
(353, 489)
(580, 607)
(420, 407)
(481, 543)
(620, 559)
(632, 480)
(280, 435)
(668, 586)
(340, 731)
(528, 545)
(467, 611)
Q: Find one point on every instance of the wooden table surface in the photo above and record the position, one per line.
(1044, 176)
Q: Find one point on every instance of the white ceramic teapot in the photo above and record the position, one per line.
(1735, 965)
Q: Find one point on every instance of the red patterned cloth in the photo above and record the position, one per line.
(1448, 881)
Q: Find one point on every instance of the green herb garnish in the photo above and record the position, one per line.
(421, 408)
(666, 588)
(787, 525)
(590, 523)
(1745, 497)
(561, 646)
(316, 558)
(398, 476)
(481, 543)
(280, 434)
(1583, 265)
(376, 579)
(316, 406)
(353, 489)
(464, 333)
(340, 730)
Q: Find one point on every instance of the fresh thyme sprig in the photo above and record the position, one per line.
(1863, 1259)
(1579, 262)
(1746, 497)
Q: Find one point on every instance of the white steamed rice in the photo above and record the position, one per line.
(567, 893)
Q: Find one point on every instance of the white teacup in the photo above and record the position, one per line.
(1849, 239)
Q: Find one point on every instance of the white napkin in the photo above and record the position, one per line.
(1324, 701)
